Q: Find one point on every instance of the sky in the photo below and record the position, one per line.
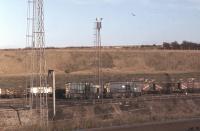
(71, 22)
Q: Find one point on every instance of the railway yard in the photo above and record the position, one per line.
(81, 103)
(85, 105)
(101, 87)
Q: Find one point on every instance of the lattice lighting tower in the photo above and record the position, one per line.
(36, 64)
(98, 63)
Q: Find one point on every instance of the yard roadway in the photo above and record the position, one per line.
(179, 125)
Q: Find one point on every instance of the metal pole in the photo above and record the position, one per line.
(99, 62)
(54, 95)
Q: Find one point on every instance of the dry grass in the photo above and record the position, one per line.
(113, 60)
(114, 115)
(77, 65)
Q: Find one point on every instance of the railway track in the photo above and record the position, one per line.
(64, 102)
(20, 103)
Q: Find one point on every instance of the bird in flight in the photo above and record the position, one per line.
(133, 14)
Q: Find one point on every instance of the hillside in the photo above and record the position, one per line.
(120, 61)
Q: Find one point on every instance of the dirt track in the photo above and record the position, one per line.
(181, 125)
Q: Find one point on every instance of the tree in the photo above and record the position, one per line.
(175, 45)
(166, 45)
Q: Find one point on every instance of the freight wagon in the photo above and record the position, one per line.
(82, 91)
(122, 89)
(12, 92)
